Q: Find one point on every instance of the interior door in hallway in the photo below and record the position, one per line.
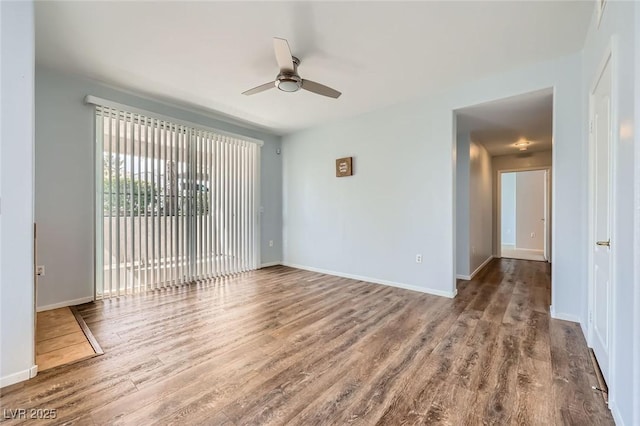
(545, 219)
(601, 291)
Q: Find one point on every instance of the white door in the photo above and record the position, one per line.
(601, 273)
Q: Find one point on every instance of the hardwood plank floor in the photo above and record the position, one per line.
(285, 346)
(60, 339)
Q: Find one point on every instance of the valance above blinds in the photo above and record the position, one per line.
(175, 203)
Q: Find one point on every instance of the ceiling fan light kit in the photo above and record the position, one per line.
(289, 84)
(288, 79)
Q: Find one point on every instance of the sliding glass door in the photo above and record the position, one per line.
(175, 204)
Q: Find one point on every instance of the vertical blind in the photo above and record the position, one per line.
(175, 203)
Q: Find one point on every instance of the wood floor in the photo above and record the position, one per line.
(284, 346)
(60, 339)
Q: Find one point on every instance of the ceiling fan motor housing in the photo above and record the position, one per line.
(289, 81)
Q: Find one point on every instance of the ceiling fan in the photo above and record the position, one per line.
(288, 79)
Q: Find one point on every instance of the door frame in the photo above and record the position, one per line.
(546, 249)
(609, 57)
(548, 209)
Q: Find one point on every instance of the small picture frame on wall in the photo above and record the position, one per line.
(599, 11)
(344, 167)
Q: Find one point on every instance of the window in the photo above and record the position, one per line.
(175, 203)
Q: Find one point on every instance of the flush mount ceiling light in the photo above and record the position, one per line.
(522, 145)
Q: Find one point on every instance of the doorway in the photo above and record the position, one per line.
(506, 135)
(524, 201)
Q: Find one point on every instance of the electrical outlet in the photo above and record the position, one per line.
(473, 251)
(418, 258)
(270, 243)
(533, 235)
(40, 270)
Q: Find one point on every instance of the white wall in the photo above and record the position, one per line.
(508, 209)
(462, 205)
(618, 20)
(64, 181)
(16, 191)
(518, 161)
(373, 223)
(636, 348)
(400, 201)
(473, 206)
(530, 210)
(480, 208)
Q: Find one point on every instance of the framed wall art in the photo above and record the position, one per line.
(344, 166)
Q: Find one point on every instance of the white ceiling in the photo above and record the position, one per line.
(498, 125)
(206, 54)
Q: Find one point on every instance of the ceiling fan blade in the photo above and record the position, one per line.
(283, 54)
(320, 89)
(261, 88)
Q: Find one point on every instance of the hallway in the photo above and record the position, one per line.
(551, 362)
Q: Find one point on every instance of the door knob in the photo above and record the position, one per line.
(604, 243)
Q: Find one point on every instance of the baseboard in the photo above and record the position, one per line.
(479, 268)
(268, 264)
(583, 327)
(18, 377)
(448, 294)
(617, 418)
(532, 251)
(563, 316)
(64, 304)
